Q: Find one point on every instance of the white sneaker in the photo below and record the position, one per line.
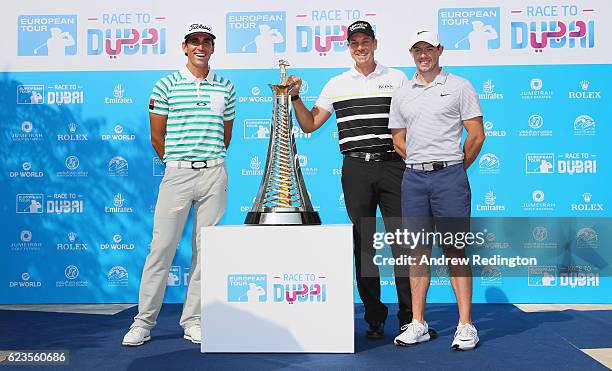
(136, 336)
(466, 337)
(194, 334)
(413, 333)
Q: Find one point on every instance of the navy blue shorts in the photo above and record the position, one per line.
(440, 199)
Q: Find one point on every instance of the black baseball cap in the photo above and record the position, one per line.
(360, 26)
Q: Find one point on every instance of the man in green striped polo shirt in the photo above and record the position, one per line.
(191, 117)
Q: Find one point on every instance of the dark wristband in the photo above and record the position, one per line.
(295, 97)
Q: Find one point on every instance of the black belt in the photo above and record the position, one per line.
(375, 156)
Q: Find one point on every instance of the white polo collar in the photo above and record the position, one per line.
(187, 75)
(439, 80)
(379, 70)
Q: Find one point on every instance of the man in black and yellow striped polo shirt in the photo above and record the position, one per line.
(191, 117)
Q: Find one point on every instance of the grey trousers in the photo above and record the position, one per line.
(181, 189)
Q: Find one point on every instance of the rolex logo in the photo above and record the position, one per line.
(584, 84)
(587, 197)
(72, 127)
(72, 236)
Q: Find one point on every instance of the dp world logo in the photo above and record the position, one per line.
(46, 35)
(251, 288)
(263, 33)
(469, 28)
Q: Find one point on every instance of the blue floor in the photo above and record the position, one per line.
(510, 340)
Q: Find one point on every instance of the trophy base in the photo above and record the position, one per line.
(283, 218)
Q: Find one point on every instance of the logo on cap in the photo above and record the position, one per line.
(360, 26)
(197, 26)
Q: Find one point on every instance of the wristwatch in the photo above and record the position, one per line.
(295, 97)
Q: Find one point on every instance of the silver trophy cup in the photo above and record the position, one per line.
(282, 198)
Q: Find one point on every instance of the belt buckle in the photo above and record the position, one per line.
(437, 165)
(367, 156)
(198, 165)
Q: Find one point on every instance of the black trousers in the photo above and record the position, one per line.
(367, 185)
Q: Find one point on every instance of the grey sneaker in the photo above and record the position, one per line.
(413, 333)
(466, 337)
(193, 334)
(136, 336)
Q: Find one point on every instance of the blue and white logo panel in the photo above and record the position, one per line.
(47, 35)
(469, 28)
(263, 33)
(252, 288)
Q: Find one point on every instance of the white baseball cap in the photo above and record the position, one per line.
(196, 27)
(427, 36)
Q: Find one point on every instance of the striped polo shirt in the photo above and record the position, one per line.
(196, 110)
(362, 106)
(433, 117)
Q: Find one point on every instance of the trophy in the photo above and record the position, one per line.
(282, 198)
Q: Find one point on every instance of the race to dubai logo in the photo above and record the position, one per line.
(545, 27)
(325, 31)
(129, 34)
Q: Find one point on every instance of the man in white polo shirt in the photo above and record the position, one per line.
(427, 119)
(371, 170)
(191, 117)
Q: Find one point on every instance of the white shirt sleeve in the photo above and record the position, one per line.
(396, 120)
(325, 98)
(469, 102)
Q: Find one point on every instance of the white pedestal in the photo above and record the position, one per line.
(277, 289)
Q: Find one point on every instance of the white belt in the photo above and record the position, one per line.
(434, 165)
(195, 164)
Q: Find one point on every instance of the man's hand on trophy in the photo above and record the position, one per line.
(298, 84)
